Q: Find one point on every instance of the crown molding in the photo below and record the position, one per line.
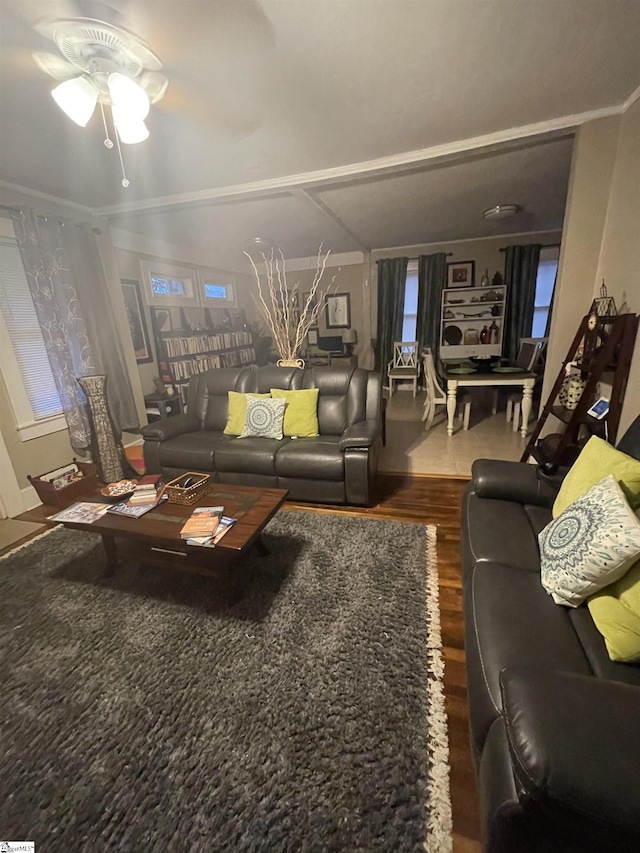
(550, 129)
(87, 211)
(412, 246)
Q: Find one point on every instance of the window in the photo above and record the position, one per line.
(410, 315)
(23, 356)
(216, 289)
(545, 282)
(168, 285)
(161, 286)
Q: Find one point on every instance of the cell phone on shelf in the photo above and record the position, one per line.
(599, 408)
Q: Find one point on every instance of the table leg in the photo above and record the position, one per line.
(261, 548)
(452, 393)
(111, 551)
(527, 395)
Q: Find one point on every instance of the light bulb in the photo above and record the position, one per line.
(77, 98)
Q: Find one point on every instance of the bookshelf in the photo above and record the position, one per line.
(183, 353)
(471, 321)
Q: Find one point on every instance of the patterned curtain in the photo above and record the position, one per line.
(392, 277)
(432, 279)
(70, 293)
(521, 270)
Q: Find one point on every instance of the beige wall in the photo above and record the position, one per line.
(619, 261)
(592, 166)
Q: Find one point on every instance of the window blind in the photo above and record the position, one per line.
(22, 325)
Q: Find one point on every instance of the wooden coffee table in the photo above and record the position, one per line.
(154, 539)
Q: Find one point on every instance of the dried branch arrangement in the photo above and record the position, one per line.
(278, 303)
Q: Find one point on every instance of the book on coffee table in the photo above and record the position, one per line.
(82, 511)
(203, 522)
(224, 526)
(135, 510)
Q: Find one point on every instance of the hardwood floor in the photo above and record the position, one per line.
(436, 500)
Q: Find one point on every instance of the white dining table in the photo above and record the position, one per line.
(522, 378)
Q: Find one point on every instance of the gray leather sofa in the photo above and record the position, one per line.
(554, 722)
(338, 466)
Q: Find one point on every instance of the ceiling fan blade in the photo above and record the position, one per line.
(54, 65)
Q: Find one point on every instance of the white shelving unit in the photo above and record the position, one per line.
(466, 312)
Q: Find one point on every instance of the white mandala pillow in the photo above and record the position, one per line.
(590, 545)
(265, 417)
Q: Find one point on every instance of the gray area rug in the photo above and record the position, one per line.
(140, 714)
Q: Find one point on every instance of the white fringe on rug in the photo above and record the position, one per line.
(440, 825)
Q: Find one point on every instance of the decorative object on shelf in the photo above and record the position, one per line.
(589, 342)
(453, 335)
(484, 281)
(494, 332)
(100, 63)
(159, 385)
(288, 323)
(106, 445)
(471, 337)
(604, 308)
(571, 390)
(137, 322)
(484, 335)
(497, 280)
(461, 274)
(496, 310)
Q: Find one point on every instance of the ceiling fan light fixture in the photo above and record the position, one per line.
(130, 131)
(501, 211)
(128, 97)
(77, 98)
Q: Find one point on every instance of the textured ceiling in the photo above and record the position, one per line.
(263, 90)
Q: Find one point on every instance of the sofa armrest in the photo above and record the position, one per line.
(362, 434)
(575, 743)
(167, 428)
(515, 481)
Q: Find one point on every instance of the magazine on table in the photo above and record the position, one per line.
(134, 510)
(224, 526)
(83, 512)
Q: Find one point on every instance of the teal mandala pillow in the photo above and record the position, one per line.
(590, 545)
(265, 417)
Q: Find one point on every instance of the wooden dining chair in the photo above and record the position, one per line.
(404, 364)
(528, 355)
(436, 396)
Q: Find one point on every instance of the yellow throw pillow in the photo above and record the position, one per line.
(238, 412)
(301, 413)
(597, 460)
(616, 613)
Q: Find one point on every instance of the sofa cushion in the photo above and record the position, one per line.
(192, 451)
(301, 412)
(590, 545)
(616, 613)
(511, 621)
(248, 455)
(517, 544)
(597, 460)
(237, 412)
(317, 458)
(265, 418)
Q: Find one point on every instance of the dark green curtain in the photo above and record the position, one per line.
(392, 277)
(520, 273)
(432, 279)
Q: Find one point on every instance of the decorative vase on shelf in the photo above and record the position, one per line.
(484, 281)
(106, 445)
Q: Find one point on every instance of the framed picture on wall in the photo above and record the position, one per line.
(338, 311)
(137, 321)
(461, 274)
(313, 337)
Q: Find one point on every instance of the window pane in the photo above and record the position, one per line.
(410, 306)
(539, 324)
(24, 332)
(545, 281)
(162, 286)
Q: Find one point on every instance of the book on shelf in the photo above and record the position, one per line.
(224, 526)
(135, 510)
(84, 512)
(203, 522)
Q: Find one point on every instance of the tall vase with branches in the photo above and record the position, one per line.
(278, 304)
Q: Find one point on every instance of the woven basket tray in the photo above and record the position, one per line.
(177, 494)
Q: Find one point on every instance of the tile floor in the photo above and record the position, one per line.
(411, 449)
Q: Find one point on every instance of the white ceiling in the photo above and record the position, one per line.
(275, 108)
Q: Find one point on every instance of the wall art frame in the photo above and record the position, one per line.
(461, 274)
(338, 311)
(137, 320)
